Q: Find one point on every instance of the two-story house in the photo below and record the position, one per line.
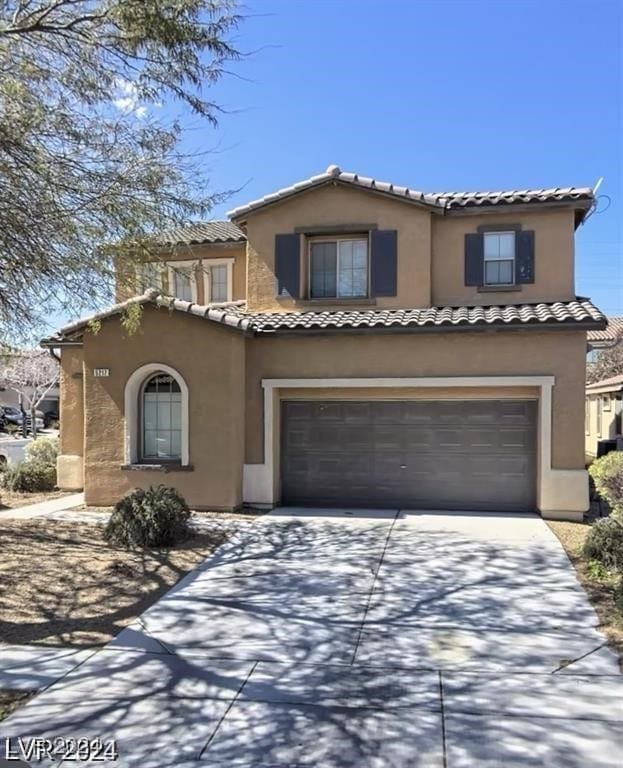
(345, 342)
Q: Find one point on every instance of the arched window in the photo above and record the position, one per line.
(161, 418)
(156, 416)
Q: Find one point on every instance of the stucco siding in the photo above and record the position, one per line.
(211, 361)
(554, 258)
(560, 354)
(127, 286)
(71, 438)
(333, 206)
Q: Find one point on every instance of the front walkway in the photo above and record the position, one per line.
(44, 508)
(371, 640)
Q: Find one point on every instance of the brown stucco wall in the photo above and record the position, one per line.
(431, 249)
(211, 360)
(126, 283)
(337, 205)
(429, 354)
(71, 402)
(553, 257)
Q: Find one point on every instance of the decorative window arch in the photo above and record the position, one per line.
(159, 382)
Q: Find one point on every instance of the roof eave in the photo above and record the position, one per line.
(567, 325)
(249, 210)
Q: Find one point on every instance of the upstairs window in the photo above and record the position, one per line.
(218, 280)
(338, 268)
(499, 255)
(161, 416)
(183, 280)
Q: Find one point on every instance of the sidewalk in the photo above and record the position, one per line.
(43, 508)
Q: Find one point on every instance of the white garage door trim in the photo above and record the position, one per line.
(559, 492)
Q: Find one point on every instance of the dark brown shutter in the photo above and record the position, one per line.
(288, 265)
(383, 262)
(524, 256)
(474, 259)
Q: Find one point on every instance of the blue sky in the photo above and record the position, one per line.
(433, 94)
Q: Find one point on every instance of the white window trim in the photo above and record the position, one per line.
(132, 426)
(172, 266)
(337, 239)
(485, 260)
(205, 268)
(599, 417)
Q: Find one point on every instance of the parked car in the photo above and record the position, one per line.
(50, 417)
(9, 414)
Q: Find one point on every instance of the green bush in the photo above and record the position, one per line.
(44, 450)
(157, 517)
(29, 476)
(607, 474)
(604, 543)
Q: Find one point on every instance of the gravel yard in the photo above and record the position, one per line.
(62, 584)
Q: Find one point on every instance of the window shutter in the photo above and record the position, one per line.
(383, 262)
(474, 259)
(288, 265)
(524, 256)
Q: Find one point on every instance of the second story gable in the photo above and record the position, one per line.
(339, 240)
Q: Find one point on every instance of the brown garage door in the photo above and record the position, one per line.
(473, 455)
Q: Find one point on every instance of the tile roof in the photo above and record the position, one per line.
(440, 201)
(579, 312)
(613, 383)
(200, 232)
(610, 333)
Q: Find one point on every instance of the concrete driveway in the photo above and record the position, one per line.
(376, 640)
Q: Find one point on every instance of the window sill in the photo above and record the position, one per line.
(329, 302)
(499, 288)
(158, 467)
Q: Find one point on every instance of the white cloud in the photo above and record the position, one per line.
(127, 100)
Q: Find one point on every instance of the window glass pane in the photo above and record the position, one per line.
(182, 283)
(499, 272)
(218, 276)
(492, 246)
(176, 415)
(507, 245)
(150, 444)
(506, 271)
(161, 415)
(164, 412)
(150, 412)
(176, 443)
(353, 268)
(323, 270)
(346, 255)
(492, 272)
(163, 441)
(360, 254)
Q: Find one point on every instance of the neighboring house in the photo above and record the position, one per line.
(604, 412)
(607, 338)
(376, 346)
(9, 396)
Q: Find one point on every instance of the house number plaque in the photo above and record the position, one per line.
(101, 373)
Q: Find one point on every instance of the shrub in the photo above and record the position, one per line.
(604, 543)
(607, 474)
(44, 450)
(157, 517)
(30, 476)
